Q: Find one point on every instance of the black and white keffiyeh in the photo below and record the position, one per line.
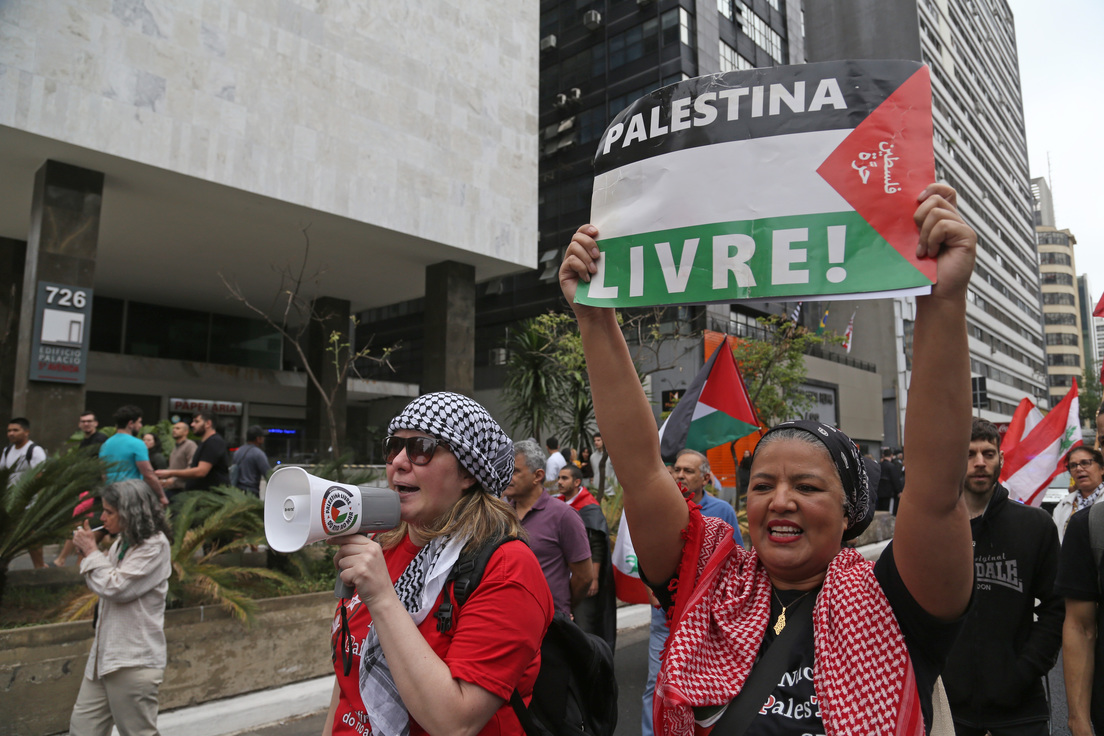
(418, 587)
(854, 471)
(476, 439)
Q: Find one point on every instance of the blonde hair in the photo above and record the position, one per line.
(477, 515)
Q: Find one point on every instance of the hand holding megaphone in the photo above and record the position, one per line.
(301, 508)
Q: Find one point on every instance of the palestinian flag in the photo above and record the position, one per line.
(781, 183)
(715, 409)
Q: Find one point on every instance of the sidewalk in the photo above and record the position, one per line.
(254, 710)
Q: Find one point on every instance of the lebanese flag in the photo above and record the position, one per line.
(715, 409)
(849, 334)
(1099, 311)
(626, 571)
(1026, 418)
(1038, 458)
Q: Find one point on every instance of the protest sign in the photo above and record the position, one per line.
(781, 183)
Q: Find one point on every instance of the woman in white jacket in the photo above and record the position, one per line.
(1086, 469)
(127, 659)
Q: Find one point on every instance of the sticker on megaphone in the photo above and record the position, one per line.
(301, 508)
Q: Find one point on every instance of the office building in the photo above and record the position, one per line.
(154, 155)
(981, 150)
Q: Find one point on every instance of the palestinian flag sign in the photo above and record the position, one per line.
(780, 183)
(715, 409)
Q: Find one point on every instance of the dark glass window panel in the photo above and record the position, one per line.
(107, 325)
(166, 332)
(244, 342)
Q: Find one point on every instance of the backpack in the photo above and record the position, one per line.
(25, 461)
(1096, 535)
(575, 693)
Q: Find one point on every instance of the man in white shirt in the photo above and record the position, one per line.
(21, 455)
(555, 462)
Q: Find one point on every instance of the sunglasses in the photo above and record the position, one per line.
(419, 450)
(1086, 464)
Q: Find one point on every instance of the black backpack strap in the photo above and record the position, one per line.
(763, 677)
(463, 579)
(524, 716)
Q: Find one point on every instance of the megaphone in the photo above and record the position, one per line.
(301, 508)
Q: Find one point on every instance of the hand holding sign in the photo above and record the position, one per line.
(788, 182)
(946, 237)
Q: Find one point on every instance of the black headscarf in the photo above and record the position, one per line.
(857, 474)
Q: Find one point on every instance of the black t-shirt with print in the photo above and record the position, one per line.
(792, 708)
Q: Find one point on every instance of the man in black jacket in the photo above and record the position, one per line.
(994, 673)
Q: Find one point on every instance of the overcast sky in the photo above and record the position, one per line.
(1059, 44)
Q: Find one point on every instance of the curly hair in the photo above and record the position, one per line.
(139, 509)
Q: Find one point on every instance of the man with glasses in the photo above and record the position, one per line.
(1087, 476)
(1079, 580)
(93, 437)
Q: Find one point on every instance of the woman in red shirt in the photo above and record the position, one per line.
(396, 672)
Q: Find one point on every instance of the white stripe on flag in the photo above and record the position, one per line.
(787, 183)
(701, 410)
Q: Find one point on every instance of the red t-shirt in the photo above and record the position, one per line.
(494, 641)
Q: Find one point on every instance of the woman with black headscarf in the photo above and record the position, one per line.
(397, 673)
(127, 659)
(799, 635)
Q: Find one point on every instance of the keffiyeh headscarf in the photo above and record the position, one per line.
(854, 472)
(480, 445)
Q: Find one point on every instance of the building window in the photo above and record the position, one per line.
(1062, 299)
(1061, 318)
(732, 61)
(1063, 279)
(758, 31)
(1071, 360)
(1063, 338)
(1054, 259)
(1052, 238)
(724, 7)
(677, 25)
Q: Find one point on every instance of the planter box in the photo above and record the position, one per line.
(211, 656)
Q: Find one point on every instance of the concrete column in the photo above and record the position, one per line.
(448, 359)
(61, 247)
(329, 315)
(13, 254)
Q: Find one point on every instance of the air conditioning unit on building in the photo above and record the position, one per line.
(548, 42)
(560, 101)
(574, 94)
(592, 19)
(497, 356)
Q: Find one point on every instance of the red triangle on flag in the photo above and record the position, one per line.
(725, 391)
(898, 133)
(1099, 311)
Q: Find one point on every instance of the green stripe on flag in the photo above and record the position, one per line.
(714, 429)
(776, 257)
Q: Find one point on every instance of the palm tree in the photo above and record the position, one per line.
(38, 509)
(534, 382)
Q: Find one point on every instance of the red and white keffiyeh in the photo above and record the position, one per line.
(862, 673)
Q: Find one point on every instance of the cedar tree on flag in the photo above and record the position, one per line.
(1040, 456)
(715, 409)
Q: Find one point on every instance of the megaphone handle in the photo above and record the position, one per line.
(341, 590)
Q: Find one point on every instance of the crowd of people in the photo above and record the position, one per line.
(790, 631)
